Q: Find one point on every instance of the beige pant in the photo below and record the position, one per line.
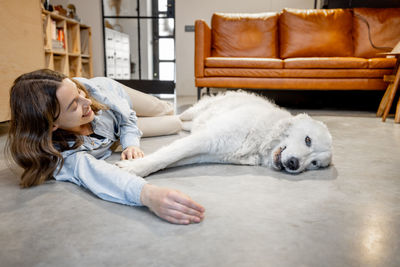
(155, 117)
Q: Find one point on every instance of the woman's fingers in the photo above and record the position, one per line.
(126, 155)
(181, 212)
(187, 201)
(171, 205)
(176, 221)
(181, 206)
(138, 154)
(185, 209)
(177, 215)
(132, 153)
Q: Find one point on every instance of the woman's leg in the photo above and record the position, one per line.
(147, 105)
(155, 116)
(156, 126)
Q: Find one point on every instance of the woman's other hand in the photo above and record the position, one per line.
(132, 152)
(171, 205)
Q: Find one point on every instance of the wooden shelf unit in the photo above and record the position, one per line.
(74, 58)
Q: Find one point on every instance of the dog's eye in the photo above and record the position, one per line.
(314, 163)
(308, 141)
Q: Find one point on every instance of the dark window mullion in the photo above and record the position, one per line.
(156, 68)
(139, 48)
(157, 60)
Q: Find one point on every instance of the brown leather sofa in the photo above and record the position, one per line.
(311, 49)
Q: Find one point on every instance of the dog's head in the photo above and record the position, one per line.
(305, 144)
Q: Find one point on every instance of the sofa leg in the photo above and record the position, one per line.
(198, 92)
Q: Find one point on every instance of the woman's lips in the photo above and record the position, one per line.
(88, 113)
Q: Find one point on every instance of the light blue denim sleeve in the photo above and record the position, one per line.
(130, 133)
(112, 94)
(103, 179)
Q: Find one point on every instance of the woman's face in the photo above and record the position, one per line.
(75, 110)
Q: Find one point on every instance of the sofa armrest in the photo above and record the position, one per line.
(202, 49)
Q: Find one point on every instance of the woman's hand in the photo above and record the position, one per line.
(132, 152)
(171, 205)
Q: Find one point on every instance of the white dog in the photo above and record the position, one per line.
(242, 128)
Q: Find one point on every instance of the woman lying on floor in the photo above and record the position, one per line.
(64, 129)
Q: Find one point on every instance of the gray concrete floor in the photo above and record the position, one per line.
(346, 215)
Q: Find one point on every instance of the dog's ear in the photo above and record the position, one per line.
(281, 127)
(277, 134)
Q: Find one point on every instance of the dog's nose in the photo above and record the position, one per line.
(292, 163)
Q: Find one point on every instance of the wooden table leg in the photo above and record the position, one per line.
(384, 100)
(392, 94)
(397, 117)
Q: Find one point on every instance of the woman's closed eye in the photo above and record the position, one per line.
(75, 106)
(81, 96)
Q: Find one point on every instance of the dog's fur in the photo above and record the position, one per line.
(242, 128)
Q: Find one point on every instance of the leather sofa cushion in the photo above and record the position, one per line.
(232, 62)
(325, 63)
(381, 63)
(294, 83)
(245, 35)
(384, 24)
(297, 73)
(315, 33)
(301, 63)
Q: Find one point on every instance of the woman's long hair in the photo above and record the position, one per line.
(31, 141)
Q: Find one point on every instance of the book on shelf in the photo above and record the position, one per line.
(57, 36)
(53, 30)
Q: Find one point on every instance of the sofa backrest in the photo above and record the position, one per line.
(315, 33)
(245, 35)
(306, 33)
(384, 27)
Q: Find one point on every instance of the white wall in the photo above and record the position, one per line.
(186, 12)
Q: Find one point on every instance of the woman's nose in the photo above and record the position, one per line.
(86, 101)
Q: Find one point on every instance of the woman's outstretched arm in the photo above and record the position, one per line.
(111, 183)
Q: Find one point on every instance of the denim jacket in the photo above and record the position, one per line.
(85, 166)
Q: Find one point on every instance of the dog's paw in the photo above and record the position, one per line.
(123, 164)
(135, 166)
